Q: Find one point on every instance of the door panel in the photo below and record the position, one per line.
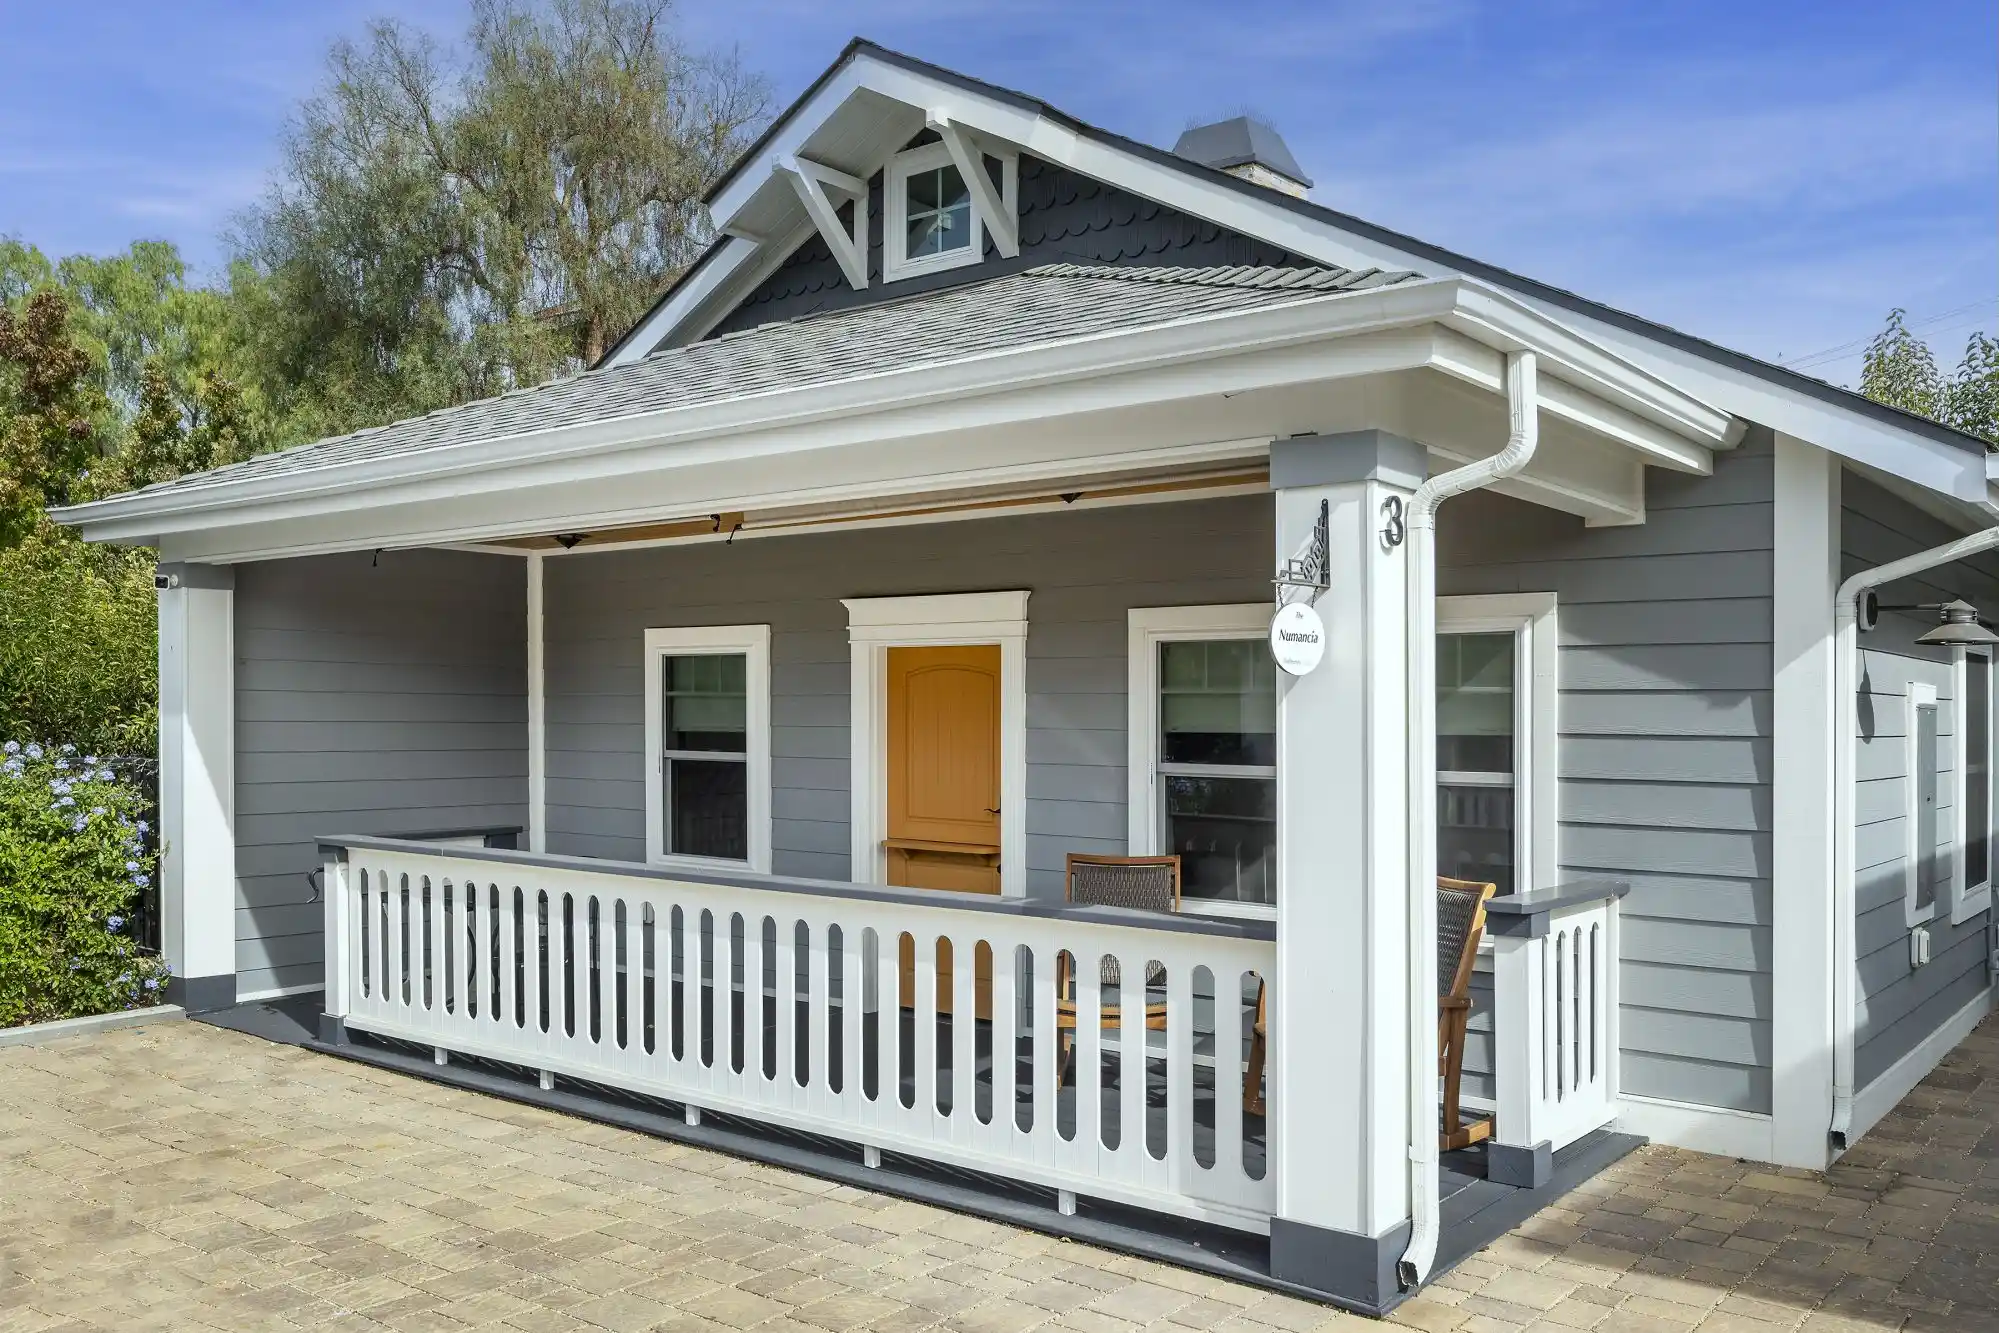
(943, 746)
(943, 776)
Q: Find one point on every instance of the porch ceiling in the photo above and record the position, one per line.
(1054, 379)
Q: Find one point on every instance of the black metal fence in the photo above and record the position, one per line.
(143, 772)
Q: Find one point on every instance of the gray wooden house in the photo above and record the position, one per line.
(706, 731)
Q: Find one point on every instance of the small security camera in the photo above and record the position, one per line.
(162, 582)
(1868, 613)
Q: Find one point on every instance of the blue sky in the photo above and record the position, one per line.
(1774, 176)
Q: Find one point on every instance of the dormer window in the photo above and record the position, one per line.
(934, 218)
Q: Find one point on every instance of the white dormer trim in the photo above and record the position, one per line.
(991, 210)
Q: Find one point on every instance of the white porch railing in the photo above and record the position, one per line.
(832, 1009)
(1554, 981)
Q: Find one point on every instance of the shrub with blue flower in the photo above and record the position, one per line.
(72, 867)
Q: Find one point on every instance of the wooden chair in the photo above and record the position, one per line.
(1146, 883)
(1252, 1079)
(1460, 923)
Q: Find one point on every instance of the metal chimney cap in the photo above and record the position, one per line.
(1959, 626)
(1238, 142)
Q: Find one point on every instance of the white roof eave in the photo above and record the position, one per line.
(704, 433)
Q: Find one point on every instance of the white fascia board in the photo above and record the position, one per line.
(472, 529)
(736, 255)
(705, 431)
(1908, 453)
(1493, 317)
(1310, 339)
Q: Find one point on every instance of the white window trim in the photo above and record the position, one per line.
(753, 641)
(1531, 618)
(1921, 695)
(1146, 628)
(896, 262)
(876, 624)
(1966, 899)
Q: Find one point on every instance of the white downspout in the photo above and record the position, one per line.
(1522, 435)
(1845, 760)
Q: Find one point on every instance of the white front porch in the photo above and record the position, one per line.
(751, 966)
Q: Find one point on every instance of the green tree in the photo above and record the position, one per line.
(1971, 403)
(1899, 369)
(455, 222)
(49, 410)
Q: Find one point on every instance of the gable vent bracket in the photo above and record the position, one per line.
(817, 184)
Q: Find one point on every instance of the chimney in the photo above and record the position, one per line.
(1247, 149)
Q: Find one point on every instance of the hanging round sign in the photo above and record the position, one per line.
(1297, 638)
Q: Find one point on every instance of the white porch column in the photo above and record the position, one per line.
(198, 782)
(1338, 1033)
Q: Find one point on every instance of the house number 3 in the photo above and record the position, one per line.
(1393, 532)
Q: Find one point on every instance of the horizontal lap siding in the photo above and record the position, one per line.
(1664, 762)
(1899, 1005)
(1084, 569)
(373, 695)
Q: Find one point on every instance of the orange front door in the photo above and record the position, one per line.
(944, 778)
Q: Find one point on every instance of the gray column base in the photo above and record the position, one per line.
(333, 1029)
(1528, 1168)
(1355, 1268)
(203, 995)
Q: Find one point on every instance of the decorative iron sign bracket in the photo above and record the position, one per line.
(1311, 568)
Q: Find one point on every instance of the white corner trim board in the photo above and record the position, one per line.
(1708, 1129)
(876, 624)
(1895, 1082)
(1804, 585)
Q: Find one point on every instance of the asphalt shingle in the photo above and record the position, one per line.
(1048, 303)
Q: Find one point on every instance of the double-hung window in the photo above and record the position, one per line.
(708, 746)
(1203, 746)
(1972, 891)
(1204, 752)
(1496, 739)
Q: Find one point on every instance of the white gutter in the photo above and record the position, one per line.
(1523, 434)
(1845, 760)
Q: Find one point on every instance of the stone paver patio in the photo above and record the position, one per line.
(180, 1176)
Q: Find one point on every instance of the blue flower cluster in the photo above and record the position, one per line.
(61, 785)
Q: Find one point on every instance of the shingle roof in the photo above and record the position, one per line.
(1048, 303)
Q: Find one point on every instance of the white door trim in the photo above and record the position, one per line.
(876, 624)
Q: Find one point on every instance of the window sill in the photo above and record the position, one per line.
(708, 864)
(894, 270)
(1970, 905)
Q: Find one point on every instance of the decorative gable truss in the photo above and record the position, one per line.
(968, 157)
(815, 183)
